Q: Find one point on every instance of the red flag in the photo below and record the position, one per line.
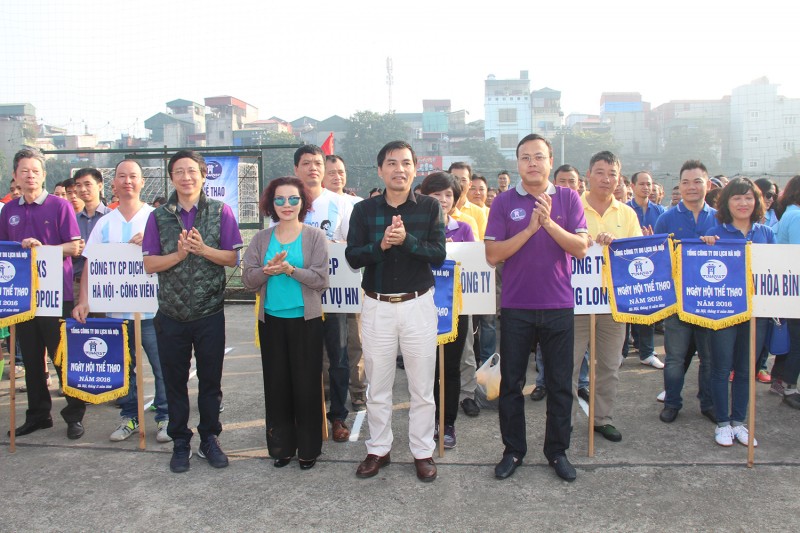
(327, 146)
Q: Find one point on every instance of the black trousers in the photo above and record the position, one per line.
(452, 373)
(37, 336)
(291, 358)
(176, 340)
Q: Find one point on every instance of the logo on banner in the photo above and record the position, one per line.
(518, 214)
(638, 274)
(95, 348)
(641, 268)
(214, 170)
(703, 300)
(7, 271)
(713, 271)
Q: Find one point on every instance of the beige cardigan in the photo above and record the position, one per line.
(313, 277)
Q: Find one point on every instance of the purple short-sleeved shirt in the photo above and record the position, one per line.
(539, 275)
(230, 238)
(458, 231)
(49, 219)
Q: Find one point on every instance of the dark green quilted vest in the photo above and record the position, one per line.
(195, 287)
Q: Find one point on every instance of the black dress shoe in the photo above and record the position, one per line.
(506, 466)
(564, 468)
(470, 407)
(32, 425)
(307, 465)
(74, 430)
(709, 413)
(668, 415)
(281, 462)
(583, 393)
(538, 394)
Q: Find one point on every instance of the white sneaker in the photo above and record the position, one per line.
(661, 396)
(743, 435)
(724, 435)
(653, 361)
(161, 435)
(19, 371)
(124, 430)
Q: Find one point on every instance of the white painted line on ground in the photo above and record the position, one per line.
(584, 406)
(357, 423)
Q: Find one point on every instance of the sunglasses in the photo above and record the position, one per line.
(281, 200)
(769, 196)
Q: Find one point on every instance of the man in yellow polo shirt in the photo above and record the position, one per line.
(463, 171)
(607, 219)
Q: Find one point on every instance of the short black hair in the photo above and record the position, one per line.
(606, 156)
(535, 137)
(312, 149)
(692, 164)
(440, 181)
(396, 145)
(188, 154)
(93, 172)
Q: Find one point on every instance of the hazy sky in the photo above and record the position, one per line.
(110, 65)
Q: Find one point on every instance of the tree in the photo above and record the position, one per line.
(485, 154)
(280, 161)
(788, 165)
(579, 147)
(686, 144)
(367, 134)
(57, 170)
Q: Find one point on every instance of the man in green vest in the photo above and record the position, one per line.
(189, 241)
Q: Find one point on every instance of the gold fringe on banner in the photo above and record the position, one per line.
(444, 338)
(62, 356)
(633, 318)
(29, 314)
(711, 323)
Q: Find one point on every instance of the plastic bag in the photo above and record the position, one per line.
(488, 377)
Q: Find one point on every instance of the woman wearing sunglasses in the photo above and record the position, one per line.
(287, 265)
(770, 191)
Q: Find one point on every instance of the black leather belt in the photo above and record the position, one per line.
(395, 299)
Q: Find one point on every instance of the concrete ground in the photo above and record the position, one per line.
(659, 478)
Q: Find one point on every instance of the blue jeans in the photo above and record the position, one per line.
(487, 336)
(554, 330)
(677, 337)
(334, 329)
(730, 350)
(130, 404)
(583, 378)
(646, 340)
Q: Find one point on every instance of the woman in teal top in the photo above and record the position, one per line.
(287, 265)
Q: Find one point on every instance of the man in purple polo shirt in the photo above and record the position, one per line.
(534, 228)
(37, 219)
(189, 241)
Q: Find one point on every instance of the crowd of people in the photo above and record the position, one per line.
(531, 229)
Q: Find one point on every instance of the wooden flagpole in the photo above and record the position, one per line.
(324, 410)
(12, 391)
(441, 400)
(751, 406)
(592, 354)
(137, 328)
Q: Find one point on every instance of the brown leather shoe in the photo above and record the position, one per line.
(340, 431)
(426, 469)
(370, 466)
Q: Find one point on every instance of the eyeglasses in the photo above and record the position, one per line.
(192, 172)
(528, 159)
(281, 200)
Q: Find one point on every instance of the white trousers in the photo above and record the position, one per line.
(411, 325)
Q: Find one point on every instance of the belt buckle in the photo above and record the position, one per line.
(395, 299)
